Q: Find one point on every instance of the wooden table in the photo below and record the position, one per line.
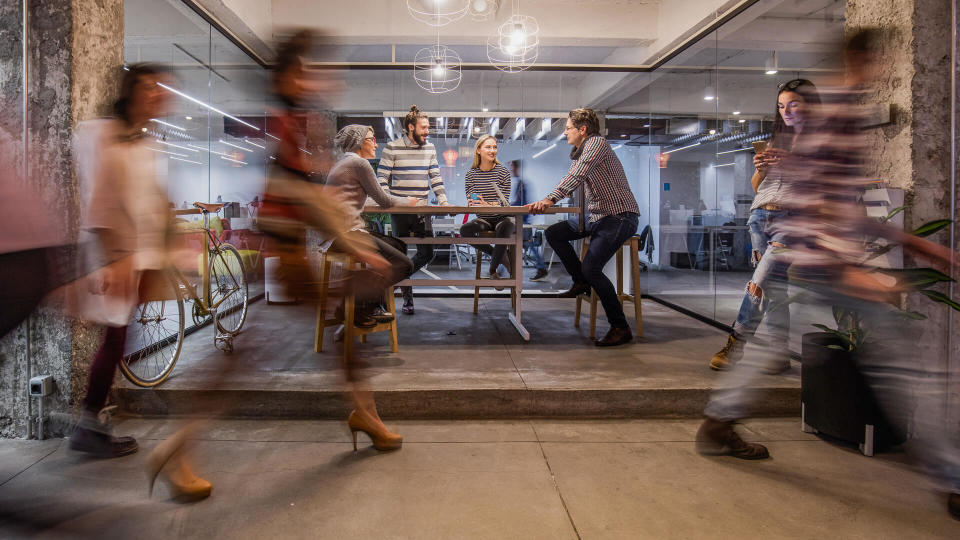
(516, 281)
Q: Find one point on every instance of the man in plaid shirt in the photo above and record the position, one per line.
(613, 218)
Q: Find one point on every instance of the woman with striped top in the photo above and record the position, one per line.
(485, 177)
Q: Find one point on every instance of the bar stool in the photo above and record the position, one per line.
(327, 260)
(476, 288)
(633, 245)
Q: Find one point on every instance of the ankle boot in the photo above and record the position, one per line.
(96, 438)
(718, 438)
(381, 437)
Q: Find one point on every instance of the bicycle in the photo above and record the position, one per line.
(158, 325)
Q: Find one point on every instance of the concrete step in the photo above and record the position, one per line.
(448, 404)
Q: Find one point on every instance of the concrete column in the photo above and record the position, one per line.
(75, 53)
(913, 152)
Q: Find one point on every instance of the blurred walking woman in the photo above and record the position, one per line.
(486, 183)
(125, 223)
(772, 202)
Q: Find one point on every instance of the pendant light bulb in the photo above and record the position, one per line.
(771, 65)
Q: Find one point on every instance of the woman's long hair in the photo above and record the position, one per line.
(806, 90)
(476, 151)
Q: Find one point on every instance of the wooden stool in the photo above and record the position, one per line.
(476, 288)
(633, 244)
(327, 260)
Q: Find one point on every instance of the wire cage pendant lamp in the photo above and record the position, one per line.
(516, 44)
(438, 12)
(437, 69)
(481, 10)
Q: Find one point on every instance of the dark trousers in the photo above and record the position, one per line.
(368, 285)
(504, 228)
(606, 236)
(419, 226)
(104, 367)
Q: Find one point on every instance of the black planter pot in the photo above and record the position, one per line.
(836, 400)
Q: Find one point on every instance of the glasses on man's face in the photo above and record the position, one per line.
(568, 128)
(374, 139)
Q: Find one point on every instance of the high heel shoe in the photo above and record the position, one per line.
(177, 473)
(381, 437)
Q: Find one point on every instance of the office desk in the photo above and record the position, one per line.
(516, 281)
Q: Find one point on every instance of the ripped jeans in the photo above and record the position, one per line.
(767, 284)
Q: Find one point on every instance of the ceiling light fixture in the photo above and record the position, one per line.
(198, 102)
(772, 64)
(168, 124)
(736, 112)
(437, 69)
(481, 10)
(177, 146)
(681, 148)
(438, 12)
(545, 150)
(187, 160)
(516, 44)
(233, 160)
(171, 153)
(244, 148)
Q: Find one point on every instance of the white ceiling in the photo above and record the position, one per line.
(573, 32)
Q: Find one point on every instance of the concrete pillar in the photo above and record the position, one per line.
(75, 53)
(913, 152)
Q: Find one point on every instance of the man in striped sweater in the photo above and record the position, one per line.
(409, 168)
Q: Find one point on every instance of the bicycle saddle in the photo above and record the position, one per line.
(213, 208)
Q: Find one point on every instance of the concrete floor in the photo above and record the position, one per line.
(446, 349)
(473, 479)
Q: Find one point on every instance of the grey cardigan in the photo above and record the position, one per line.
(354, 176)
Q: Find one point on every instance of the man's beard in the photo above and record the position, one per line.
(417, 138)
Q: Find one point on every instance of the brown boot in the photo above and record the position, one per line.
(730, 354)
(717, 438)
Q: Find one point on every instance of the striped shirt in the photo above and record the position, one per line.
(600, 172)
(482, 182)
(408, 170)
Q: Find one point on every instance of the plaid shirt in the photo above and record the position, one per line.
(601, 173)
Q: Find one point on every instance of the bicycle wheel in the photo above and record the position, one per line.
(228, 288)
(154, 339)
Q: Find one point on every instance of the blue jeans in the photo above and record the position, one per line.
(606, 236)
(767, 284)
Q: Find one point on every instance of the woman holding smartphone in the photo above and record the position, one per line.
(486, 183)
(771, 203)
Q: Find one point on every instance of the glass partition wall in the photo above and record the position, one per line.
(683, 130)
(212, 144)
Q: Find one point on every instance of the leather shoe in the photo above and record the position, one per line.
(381, 315)
(576, 290)
(615, 336)
(717, 438)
